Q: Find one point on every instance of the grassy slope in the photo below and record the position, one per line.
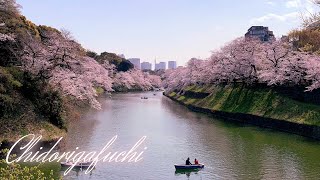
(28, 122)
(19, 115)
(256, 101)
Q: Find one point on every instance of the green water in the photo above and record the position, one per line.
(228, 150)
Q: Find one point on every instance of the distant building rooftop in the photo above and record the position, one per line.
(259, 32)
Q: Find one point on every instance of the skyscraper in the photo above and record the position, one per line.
(172, 64)
(135, 62)
(146, 66)
(161, 66)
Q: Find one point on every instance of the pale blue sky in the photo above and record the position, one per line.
(164, 29)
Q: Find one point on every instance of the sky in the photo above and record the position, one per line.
(164, 29)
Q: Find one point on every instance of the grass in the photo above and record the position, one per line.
(27, 121)
(16, 129)
(264, 102)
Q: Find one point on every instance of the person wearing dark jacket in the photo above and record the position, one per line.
(188, 162)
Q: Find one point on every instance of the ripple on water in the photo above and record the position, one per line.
(228, 150)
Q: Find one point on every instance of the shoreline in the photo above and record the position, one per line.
(309, 131)
(75, 111)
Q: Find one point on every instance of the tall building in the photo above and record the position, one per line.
(135, 62)
(161, 66)
(260, 32)
(172, 64)
(146, 66)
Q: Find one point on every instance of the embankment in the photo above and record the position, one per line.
(258, 105)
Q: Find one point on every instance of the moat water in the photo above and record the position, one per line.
(228, 150)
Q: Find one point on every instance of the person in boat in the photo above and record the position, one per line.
(188, 162)
(196, 161)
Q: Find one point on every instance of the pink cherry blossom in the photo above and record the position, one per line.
(243, 61)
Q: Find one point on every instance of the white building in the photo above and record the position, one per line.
(135, 62)
(172, 64)
(146, 66)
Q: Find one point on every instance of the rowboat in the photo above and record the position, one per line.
(78, 165)
(194, 166)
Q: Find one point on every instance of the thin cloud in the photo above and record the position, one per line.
(275, 17)
(303, 8)
(293, 4)
(271, 3)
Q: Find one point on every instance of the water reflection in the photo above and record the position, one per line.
(187, 173)
(80, 132)
(77, 170)
(247, 152)
(228, 150)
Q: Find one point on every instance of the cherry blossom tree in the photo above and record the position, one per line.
(67, 34)
(241, 61)
(237, 61)
(6, 37)
(57, 58)
(195, 68)
(154, 80)
(10, 51)
(54, 56)
(9, 6)
(176, 79)
(123, 80)
(80, 81)
(280, 65)
(313, 73)
(63, 64)
(136, 80)
(35, 57)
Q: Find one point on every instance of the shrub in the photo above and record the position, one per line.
(16, 171)
(124, 66)
(47, 101)
(6, 105)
